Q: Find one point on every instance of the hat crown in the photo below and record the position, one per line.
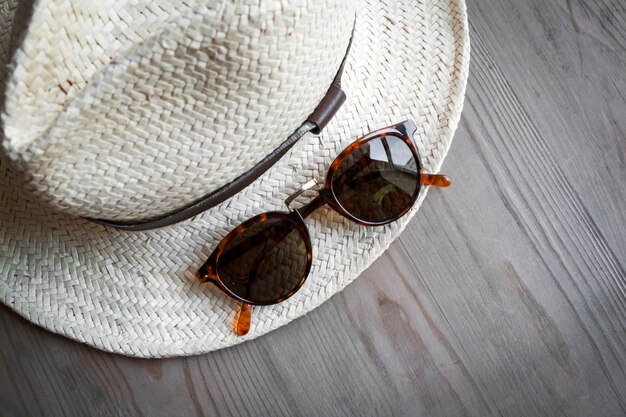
(127, 111)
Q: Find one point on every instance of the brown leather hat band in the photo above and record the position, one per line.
(315, 123)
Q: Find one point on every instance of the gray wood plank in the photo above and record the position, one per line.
(505, 296)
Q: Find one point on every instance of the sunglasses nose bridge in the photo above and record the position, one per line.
(311, 185)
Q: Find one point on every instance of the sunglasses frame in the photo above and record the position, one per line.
(404, 131)
(326, 195)
(208, 271)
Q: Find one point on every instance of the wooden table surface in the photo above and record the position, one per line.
(505, 296)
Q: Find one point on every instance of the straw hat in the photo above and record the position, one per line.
(130, 111)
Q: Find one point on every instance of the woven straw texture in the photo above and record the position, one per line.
(136, 294)
(115, 114)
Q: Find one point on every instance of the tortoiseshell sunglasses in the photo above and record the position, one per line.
(266, 259)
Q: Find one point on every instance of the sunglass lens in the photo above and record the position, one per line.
(266, 262)
(377, 181)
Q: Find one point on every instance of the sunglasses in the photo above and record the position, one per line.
(265, 260)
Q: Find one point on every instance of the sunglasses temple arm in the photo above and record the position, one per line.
(435, 180)
(241, 326)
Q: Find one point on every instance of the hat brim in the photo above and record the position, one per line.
(136, 293)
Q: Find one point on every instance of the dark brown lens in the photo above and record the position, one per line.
(266, 262)
(378, 181)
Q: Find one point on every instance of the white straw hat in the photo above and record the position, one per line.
(130, 111)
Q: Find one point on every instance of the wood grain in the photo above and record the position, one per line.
(506, 295)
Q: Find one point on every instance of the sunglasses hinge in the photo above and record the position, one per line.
(206, 273)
